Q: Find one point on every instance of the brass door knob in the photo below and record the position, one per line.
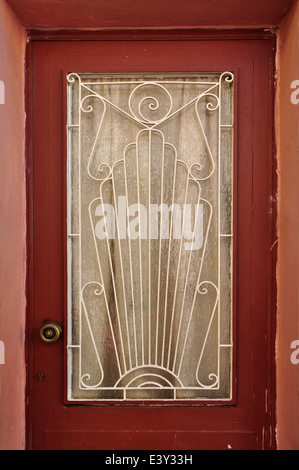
(50, 332)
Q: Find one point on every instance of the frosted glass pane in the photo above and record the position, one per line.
(150, 240)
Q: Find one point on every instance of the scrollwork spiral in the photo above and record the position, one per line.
(203, 289)
(148, 108)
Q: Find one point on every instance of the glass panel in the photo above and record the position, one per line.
(150, 168)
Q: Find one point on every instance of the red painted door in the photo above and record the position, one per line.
(244, 419)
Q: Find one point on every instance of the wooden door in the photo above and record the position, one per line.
(162, 413)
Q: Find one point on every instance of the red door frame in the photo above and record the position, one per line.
(267, 256)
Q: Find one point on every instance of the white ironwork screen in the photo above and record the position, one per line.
(150, 238)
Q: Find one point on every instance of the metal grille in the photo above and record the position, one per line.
(150, 237)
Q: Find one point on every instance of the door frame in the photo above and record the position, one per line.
(161, 35)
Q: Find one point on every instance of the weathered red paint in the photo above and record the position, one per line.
(13, 231)
(246, 424)
(288, 227)
(91, 14)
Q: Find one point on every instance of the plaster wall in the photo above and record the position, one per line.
(12, 231)
(97, 14)
(288, 231)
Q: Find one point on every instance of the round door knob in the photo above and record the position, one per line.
(50, 332)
